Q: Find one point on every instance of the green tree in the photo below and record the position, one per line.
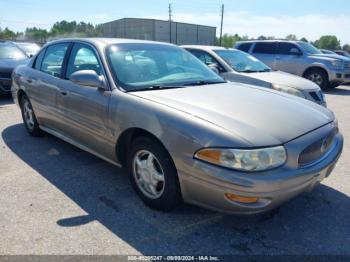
(346, 48)
(36, 34)
(330, 42)
(292, 37)
(304, 39)
(7, 34)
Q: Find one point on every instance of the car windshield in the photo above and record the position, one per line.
(29, 48)
(140, 66)
(310, 49)
(10, 52)
(242, 62)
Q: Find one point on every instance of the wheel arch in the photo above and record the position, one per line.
(126, 138)
(20, 95)
(318, 67)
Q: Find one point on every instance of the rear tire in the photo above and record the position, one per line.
(153, 175)
(29, 118)
(319, 77)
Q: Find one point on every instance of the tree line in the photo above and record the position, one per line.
(81, 29)
(58, 30)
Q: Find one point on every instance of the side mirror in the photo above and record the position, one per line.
(295, 51)
(214, 67)
(88, 78)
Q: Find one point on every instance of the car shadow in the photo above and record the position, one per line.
(5, 100)
(314, 223)
(339, 91)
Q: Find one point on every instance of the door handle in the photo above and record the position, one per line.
(63, 92)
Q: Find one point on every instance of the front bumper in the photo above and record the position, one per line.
(315, 96)
(206, 185)
(5, 85)
(339, 76)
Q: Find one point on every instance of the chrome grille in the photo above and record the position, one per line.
(5, 75)
(347, 65)
(315, 96)
(316, 150)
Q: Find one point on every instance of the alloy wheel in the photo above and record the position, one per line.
(148, 174)
(28, 114)
(316, 78)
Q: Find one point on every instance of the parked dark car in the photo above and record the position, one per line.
(342, 53)
(328, 52)
(181, 131)
(10, 57)
(29, 48)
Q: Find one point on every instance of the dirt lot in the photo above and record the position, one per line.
(57, 199)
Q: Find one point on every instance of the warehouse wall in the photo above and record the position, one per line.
(157, 30)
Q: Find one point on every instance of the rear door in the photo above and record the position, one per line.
(84, 109)
(43, 81)
(288, 58)
(266, 52)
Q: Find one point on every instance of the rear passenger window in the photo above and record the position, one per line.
(265, 48)
(245, 47)
(286, 48)
(39, 60)
(82, 58)
(53, 60)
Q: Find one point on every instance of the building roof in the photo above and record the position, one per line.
(151, 19)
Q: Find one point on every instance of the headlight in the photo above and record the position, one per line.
(244, 159)
(336, 125)
(288, 90)
(338, 64)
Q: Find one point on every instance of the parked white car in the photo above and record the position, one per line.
(237, 66)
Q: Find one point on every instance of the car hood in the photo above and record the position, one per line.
(330, 57)
(262, 117)
(282, 78)
(12, 63)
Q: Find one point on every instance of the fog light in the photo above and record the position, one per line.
(241, 199)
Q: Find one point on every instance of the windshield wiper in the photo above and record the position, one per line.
(155, 87)
(204, 82)
(255, 71)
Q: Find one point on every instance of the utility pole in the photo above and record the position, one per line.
(222, 22)
(170, 18)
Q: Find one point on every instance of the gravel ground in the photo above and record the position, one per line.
(57, 199)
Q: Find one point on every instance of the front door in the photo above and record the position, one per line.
(288, 58)
(85, 109)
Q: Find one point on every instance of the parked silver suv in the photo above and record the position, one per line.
(302, 59)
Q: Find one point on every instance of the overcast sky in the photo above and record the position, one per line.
(305, 18)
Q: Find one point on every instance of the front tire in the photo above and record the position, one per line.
(153, 175)
(29, 118)
(319, 77)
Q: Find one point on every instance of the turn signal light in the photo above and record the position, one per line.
(241, 199)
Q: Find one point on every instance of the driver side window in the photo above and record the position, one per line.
(207, 59)
(82, 57)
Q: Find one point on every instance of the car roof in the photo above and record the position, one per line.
(207, 47)
(269, 41)
(107, 41)
(6, 43)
